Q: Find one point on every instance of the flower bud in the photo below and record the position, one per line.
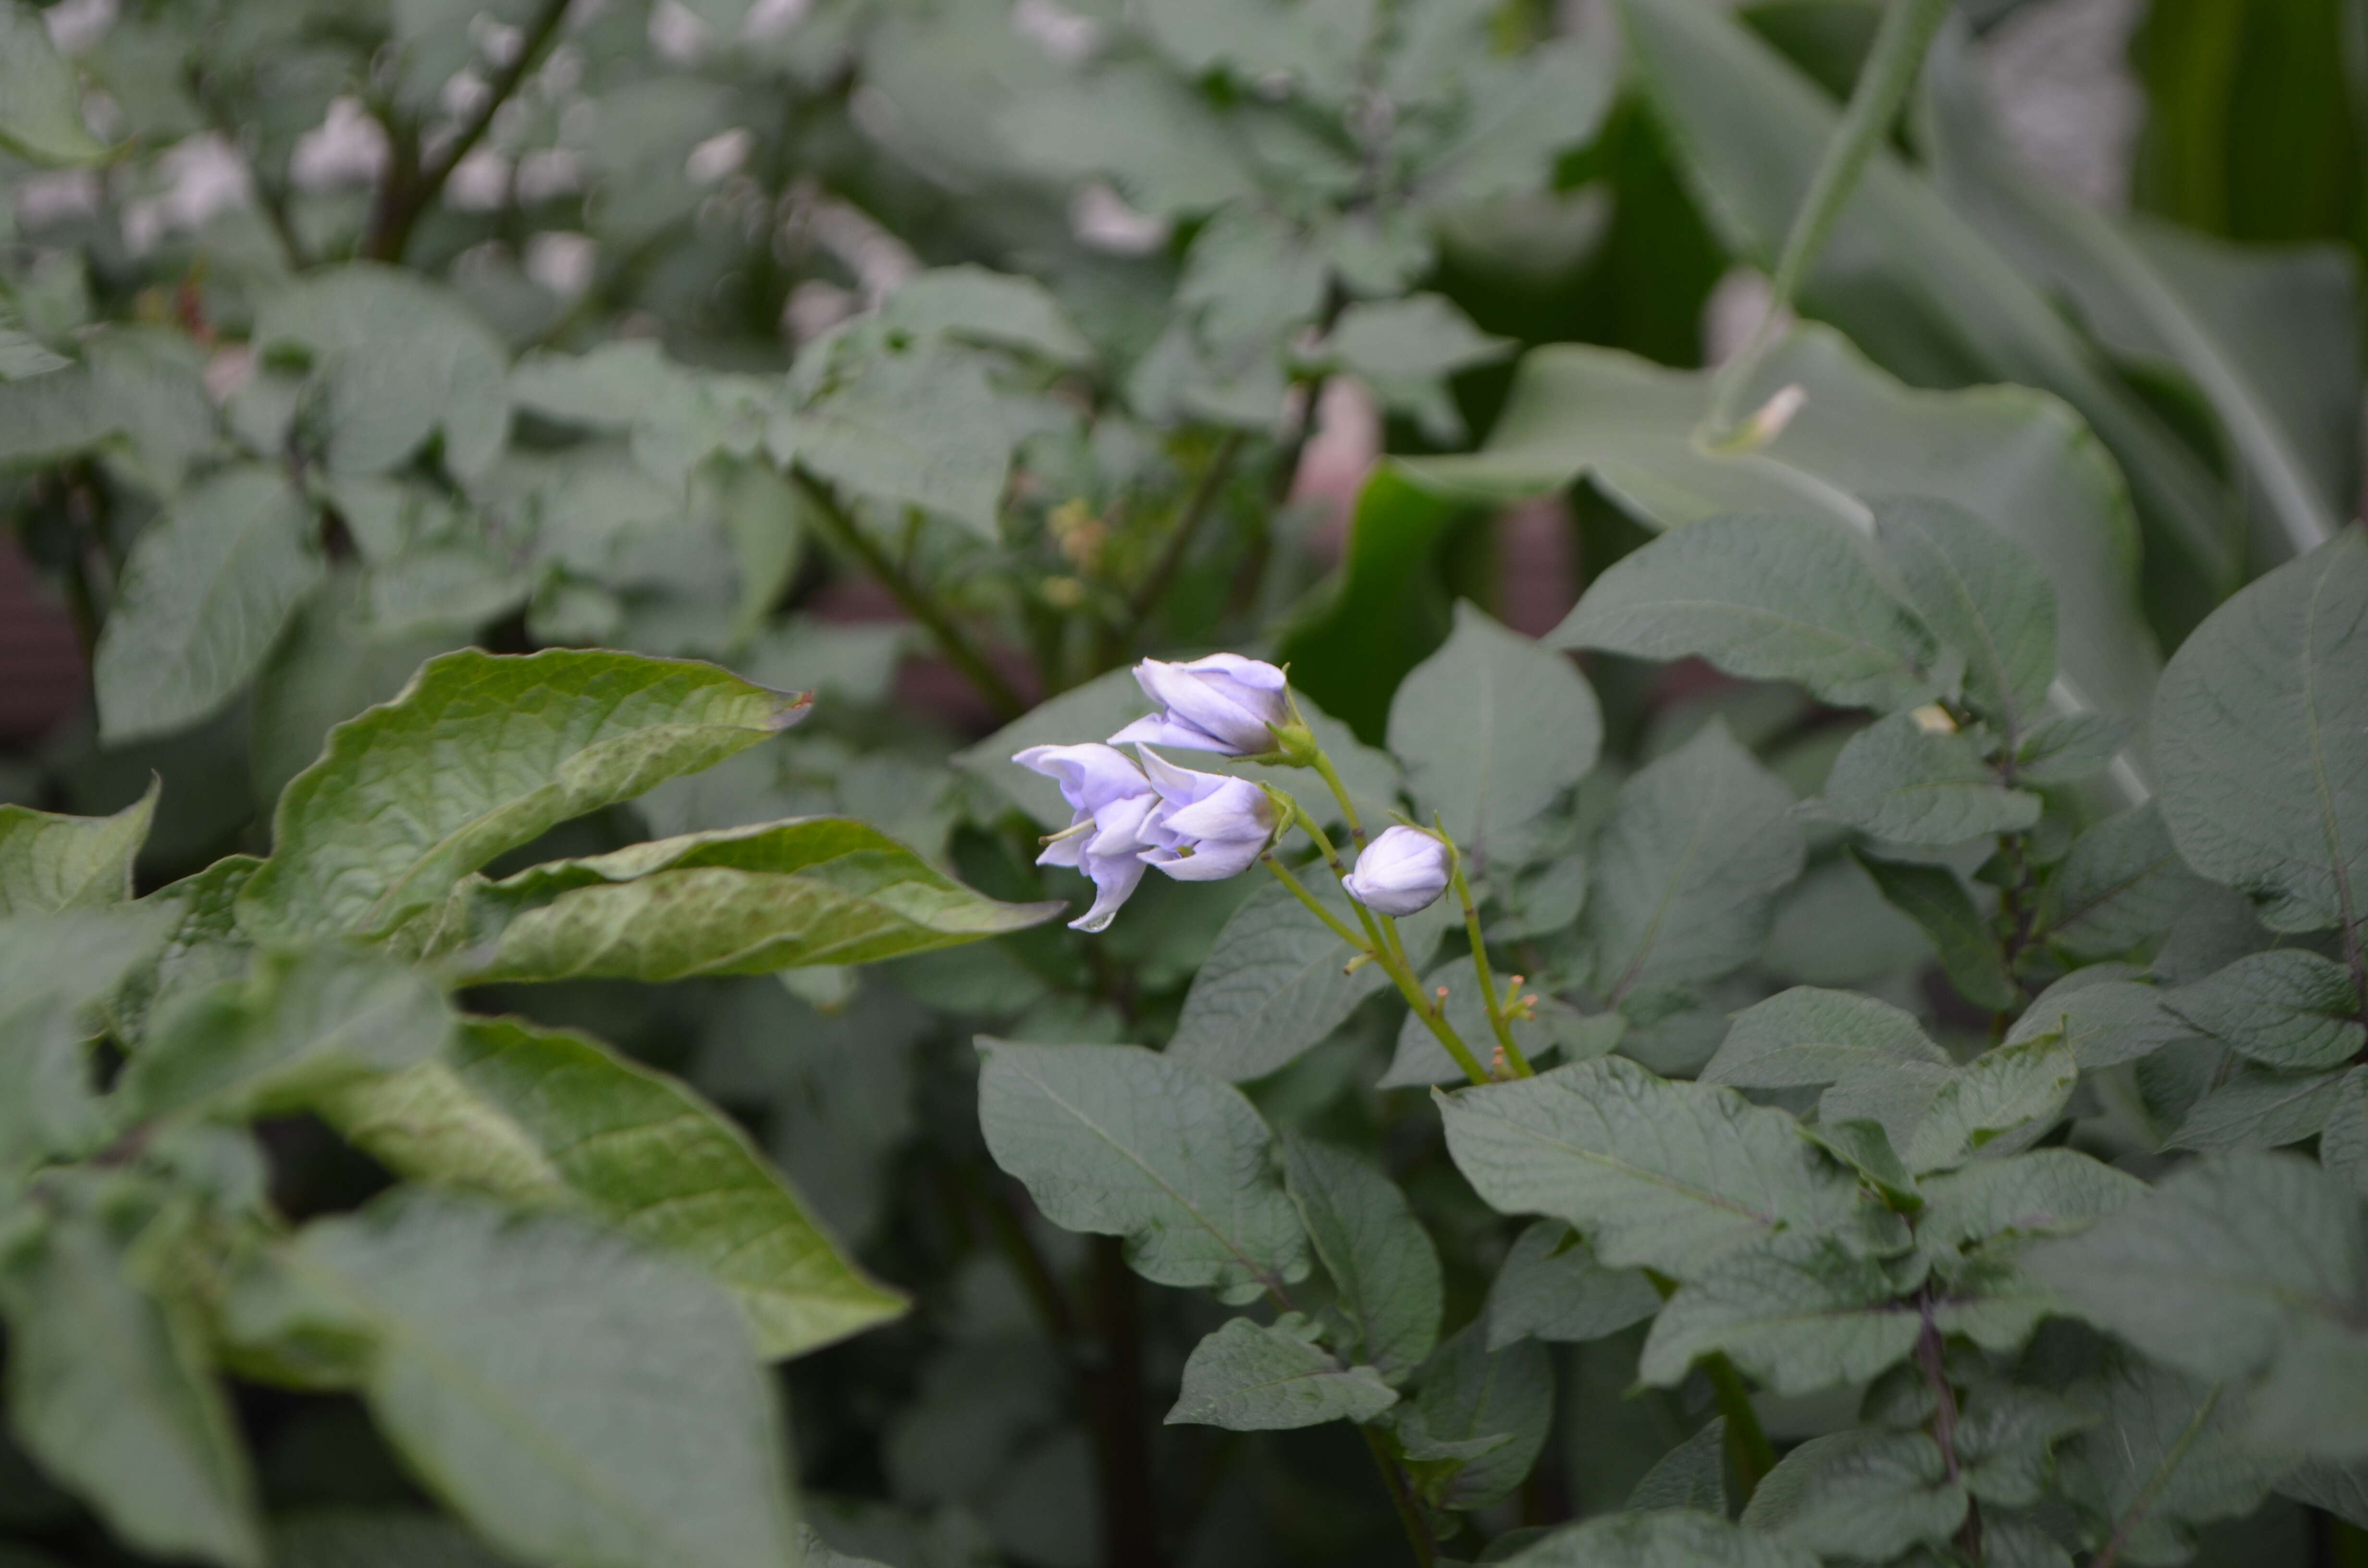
(1224, 703)
(1206, 826)
(1400, 873)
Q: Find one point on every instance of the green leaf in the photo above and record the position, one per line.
(2286, 1008)
(208, 588)
(2257, 1110)
(302, 1024)
(1692, 1475)
(1403, 349)
(544, 1116)
(993, 309)
(1383, 1269)
(578, 1401)
(2005, 1438)
(1552, 1288)
(2002, 1101)
(2343, 1144)
(2260, 729)
(1492, 728)
(1121, 1141)
(2106, 1021)
(2341, 1490)
(1479, 1418)
(2119, 888)
(1686, 868)
(1768, 597)
(376, 831)
(1253, 1377)
(1807, 1036)
(2070, 748)
(375, 1538)
(1420, 1059)
(1657, 1175)
(110, 1389)
(53, 969)
(1863, 1495)
(2043, 1192)
(1984, 596)
(2167, 1452)
(920, 426)
(739, 901)
(1938, 903)
(40, 108)
(397, 359)
(1670, 1538)
(1899, 781)
(1797, 1313)
(51, 864)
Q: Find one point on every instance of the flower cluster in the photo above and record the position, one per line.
(1139, 811)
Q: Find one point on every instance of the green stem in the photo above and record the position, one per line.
(1146, 595)
(1315, 905)
(1426, 1550)
(1746, 1440)
(843, 531)
(1331, 777)
(1900, 41)
(1496, 1004)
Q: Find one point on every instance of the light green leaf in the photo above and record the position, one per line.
(2119, 888)
(398, 359)
(302, 1024)
(2287, 1008)
(1121, 1141)
(579, 1401)
(920, 426)
(110, 1389)
(2260, 729)
(1404, 349)
(739, 901)
(377, 831)
(1656, 1175)
(2105, 1021)
(53, 969)
(2256, 1110)
(1480, 1417)
(2043, 1192)
(1938, 903)
(1984, 596)
(207, 589)
(995, 309)
(541, 1115)
(1166, 148)
(1383, 1269)
(1552, 1288)
(1863, 1495)
(1768, 597)
(40, 108)
(1675, 1538)
(1899, 781)
(1686, 868)
(1692, 1475)
(1492, 728)
(1797, 1313)
(1998, 1103)
(1254, 1377)
(50, 864)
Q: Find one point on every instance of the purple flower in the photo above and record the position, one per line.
(1104, 840)
(1400, 873)
(1224, 703)
(1206, 826)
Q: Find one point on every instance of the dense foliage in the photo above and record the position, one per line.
(612, 542)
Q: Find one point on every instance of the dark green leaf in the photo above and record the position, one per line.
(1983, 596)
(1863, 1495)
(1938, 903)
(1670, 1538)
(1552, 1288)
(1383, 1269)
(2119, 888)
(1797, 1313)
(2287, 1008)
(1262, 1378)
(1900, 781)
(1470, 1394)
(1692, 1475)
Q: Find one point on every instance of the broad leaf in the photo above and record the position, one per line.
(1984, 596)
(2119, 888)
(579, 1401)
(50, 864)
(1656, 1175)
(2260, 729)
(991, 308)
(40, 110)
(207, 589)
(1255, 1377)
(2045, 1192)
(912, 427)
(2002, 1101)
(1676, 1538)
(1808, 1036)
(740, 900)
(1552, 1288)
(1865, 1496)
(1686, 868)
(1692, 1475)
(2343, 1143)
(2287, 1008)
(1492, 728)
(1938, 903)
(54, 970)
(1121, 1141)
(1383, 1269)
(1797, 1313)
(2167, 1452)
(1899, 781)
(378, 830)
(1479, 1420)
(2250, 1111)
(2104, 1019)
(541, 1115)
(1768, 597)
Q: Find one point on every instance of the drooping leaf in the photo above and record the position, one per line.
(2340, 1489)
(1552, 1288)
(1479, 1418)
(207, 589)
(1863, 1495)
(739, 901)
(109, 1387)
(377, 831)
(2260, 729)
(1254, 1377)
(577, 1399)
(2287, 1008)
(1384, 1268)
(545, 1117)
(1656, 1175)
(1938, 903)
(1492, 728)
(1119, 1140)
(1768, 597)
(50, 863)
(1674, 1538)
(1796, 1313)
(1899, 781)
(1984, 596)
(1686, 868)
(1692, 1475)
(40, 108)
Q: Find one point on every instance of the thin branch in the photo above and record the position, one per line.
(827, 509)
(1393, 1479)
(1146, 595)
(1930, 1361)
